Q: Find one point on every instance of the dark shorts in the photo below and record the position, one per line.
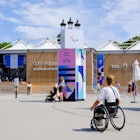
(61, 89)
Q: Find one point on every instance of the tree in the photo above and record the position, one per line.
(128, 43)
(4, 44)
(59, 38)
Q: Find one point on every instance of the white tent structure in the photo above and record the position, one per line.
(50, 44)
(135, 46)
(86, 46)
(20, 45)
(109, 47)
(47, 44)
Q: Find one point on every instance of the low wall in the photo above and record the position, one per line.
(8, 87)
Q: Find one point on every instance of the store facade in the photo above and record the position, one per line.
(40, 66)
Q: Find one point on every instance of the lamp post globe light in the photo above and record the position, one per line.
(71, 37)
(70, 24)
(77, 25)
(63, 24)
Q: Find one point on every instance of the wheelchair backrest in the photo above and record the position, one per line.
(111, 104)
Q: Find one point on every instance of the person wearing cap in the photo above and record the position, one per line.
(109, 93)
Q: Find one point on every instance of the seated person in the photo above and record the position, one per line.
(52, 95)
(109, 94)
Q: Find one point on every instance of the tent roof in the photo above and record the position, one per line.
(20, 45)
(135, 46)
(109, 46)
(50, 44)
(86, 46)
(47, 44)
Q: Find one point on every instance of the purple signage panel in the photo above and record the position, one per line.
(67, 57)
(66, 68)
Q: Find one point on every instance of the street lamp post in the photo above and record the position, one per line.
(63, 24)
(77, 25)
(16, 84)
(70, 33)
(70, 24)
(72, 44)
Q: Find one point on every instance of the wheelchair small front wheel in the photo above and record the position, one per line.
(101, 118)
(91, 124)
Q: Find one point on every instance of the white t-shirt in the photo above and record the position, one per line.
(98, 86)
(108, 94)
(29, 85)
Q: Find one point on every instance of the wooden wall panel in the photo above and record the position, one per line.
(46, 60)
(88, 68)
(49, 77)
(122, 75)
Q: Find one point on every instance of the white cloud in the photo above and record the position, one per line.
(2, 16)
(2, 2)
(101, 20)
(119, 21)
(45, 19)
(31, 32)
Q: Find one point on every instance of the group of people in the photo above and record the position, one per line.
(57, 91)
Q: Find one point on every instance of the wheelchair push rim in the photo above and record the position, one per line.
(118, 119)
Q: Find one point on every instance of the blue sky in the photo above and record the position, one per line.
(101, 20)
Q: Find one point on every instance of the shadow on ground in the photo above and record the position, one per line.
(86, 130)
(32, 101)
(131, 108)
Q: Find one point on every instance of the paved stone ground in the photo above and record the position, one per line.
(30, 118)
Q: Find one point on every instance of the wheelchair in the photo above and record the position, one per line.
(102, 114)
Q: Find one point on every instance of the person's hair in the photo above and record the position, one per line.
(61, 78)
(110, 79)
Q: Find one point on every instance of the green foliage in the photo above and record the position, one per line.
(59, 38)
(128, 43)
(4, 44)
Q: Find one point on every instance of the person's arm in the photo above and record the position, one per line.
(94, 105)
(118, 97)
(61, 83)
(118, 101)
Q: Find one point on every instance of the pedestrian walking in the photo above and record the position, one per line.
(28, 88)
(98, 87)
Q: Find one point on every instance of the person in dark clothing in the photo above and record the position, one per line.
(61, 87)
(52, 94)
(129, 90)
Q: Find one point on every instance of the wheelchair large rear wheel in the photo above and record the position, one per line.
(101, 118)
(118, 118)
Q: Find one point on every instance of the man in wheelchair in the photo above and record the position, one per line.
(108, 97)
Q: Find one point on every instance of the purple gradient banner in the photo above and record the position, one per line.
(67, 57)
